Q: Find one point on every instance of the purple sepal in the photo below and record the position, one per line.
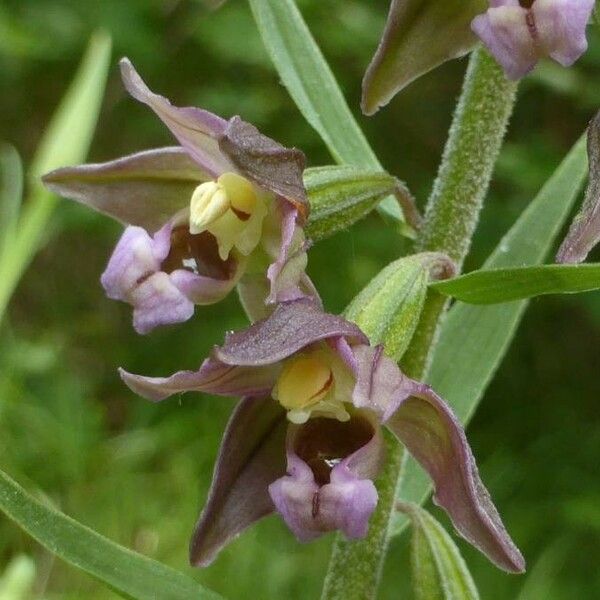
(134, 275)
(145, 189)
(220, 146)
(346, 502)
(432, 434)
(518, 37)
(213, 377)
(251, 456)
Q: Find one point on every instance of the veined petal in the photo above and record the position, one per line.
(213, 377)
(251, 456)
(561, 26)
(291, 327)
(504, 30)
(196, 130)
(144, 189)
(432, 434)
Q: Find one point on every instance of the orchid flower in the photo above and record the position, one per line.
(520, 32)
(225, 207)
(306, 438)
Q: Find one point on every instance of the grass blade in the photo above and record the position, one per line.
(66, 141)
(126, 572)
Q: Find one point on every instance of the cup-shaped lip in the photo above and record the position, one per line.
(323, 443)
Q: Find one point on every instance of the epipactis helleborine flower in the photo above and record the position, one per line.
(520, 32)
(306, 439)
(228, 203)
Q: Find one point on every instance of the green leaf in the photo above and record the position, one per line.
(340, 196)
(126, 572)
(503, 285)
(474, 339)
(419, 35)
(438, 570)
(388, 309)
(65, 142)
(311, 84)
(11, 193)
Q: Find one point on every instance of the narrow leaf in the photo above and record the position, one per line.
(474, 339)
(11, 193)
(438, 570)
(584, 232)
(419, 35)
(340, 196)
(388, 309)
(126, 572)
(65, 142)
(311, 84)
(503, 285)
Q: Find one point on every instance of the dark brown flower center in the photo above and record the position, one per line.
(198, 254)
(322, 443)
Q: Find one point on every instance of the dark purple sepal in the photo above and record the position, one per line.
(291, 327)
(266, 162)
(427, 427)
(251, 456)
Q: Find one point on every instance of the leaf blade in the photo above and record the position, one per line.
(66, 140)
(438, 570)
(128, 573)
(11, 193)
(504, 285)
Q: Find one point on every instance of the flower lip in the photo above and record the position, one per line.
(322, 443)
(197, 253)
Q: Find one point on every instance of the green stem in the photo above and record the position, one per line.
(452, 213)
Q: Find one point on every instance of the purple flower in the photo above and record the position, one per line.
(519, 33)
(306, 439)
(226, 207)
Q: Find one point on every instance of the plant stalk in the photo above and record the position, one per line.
(473, 145)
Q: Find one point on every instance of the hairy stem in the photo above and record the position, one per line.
(462, 183)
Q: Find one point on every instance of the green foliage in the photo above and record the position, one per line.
(132, 575)
(66, 141)
(503, 285)
(389, 308)
(438, 570)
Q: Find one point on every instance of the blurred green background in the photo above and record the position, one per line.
(138, 473)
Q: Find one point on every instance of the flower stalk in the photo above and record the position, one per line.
(452, 213)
